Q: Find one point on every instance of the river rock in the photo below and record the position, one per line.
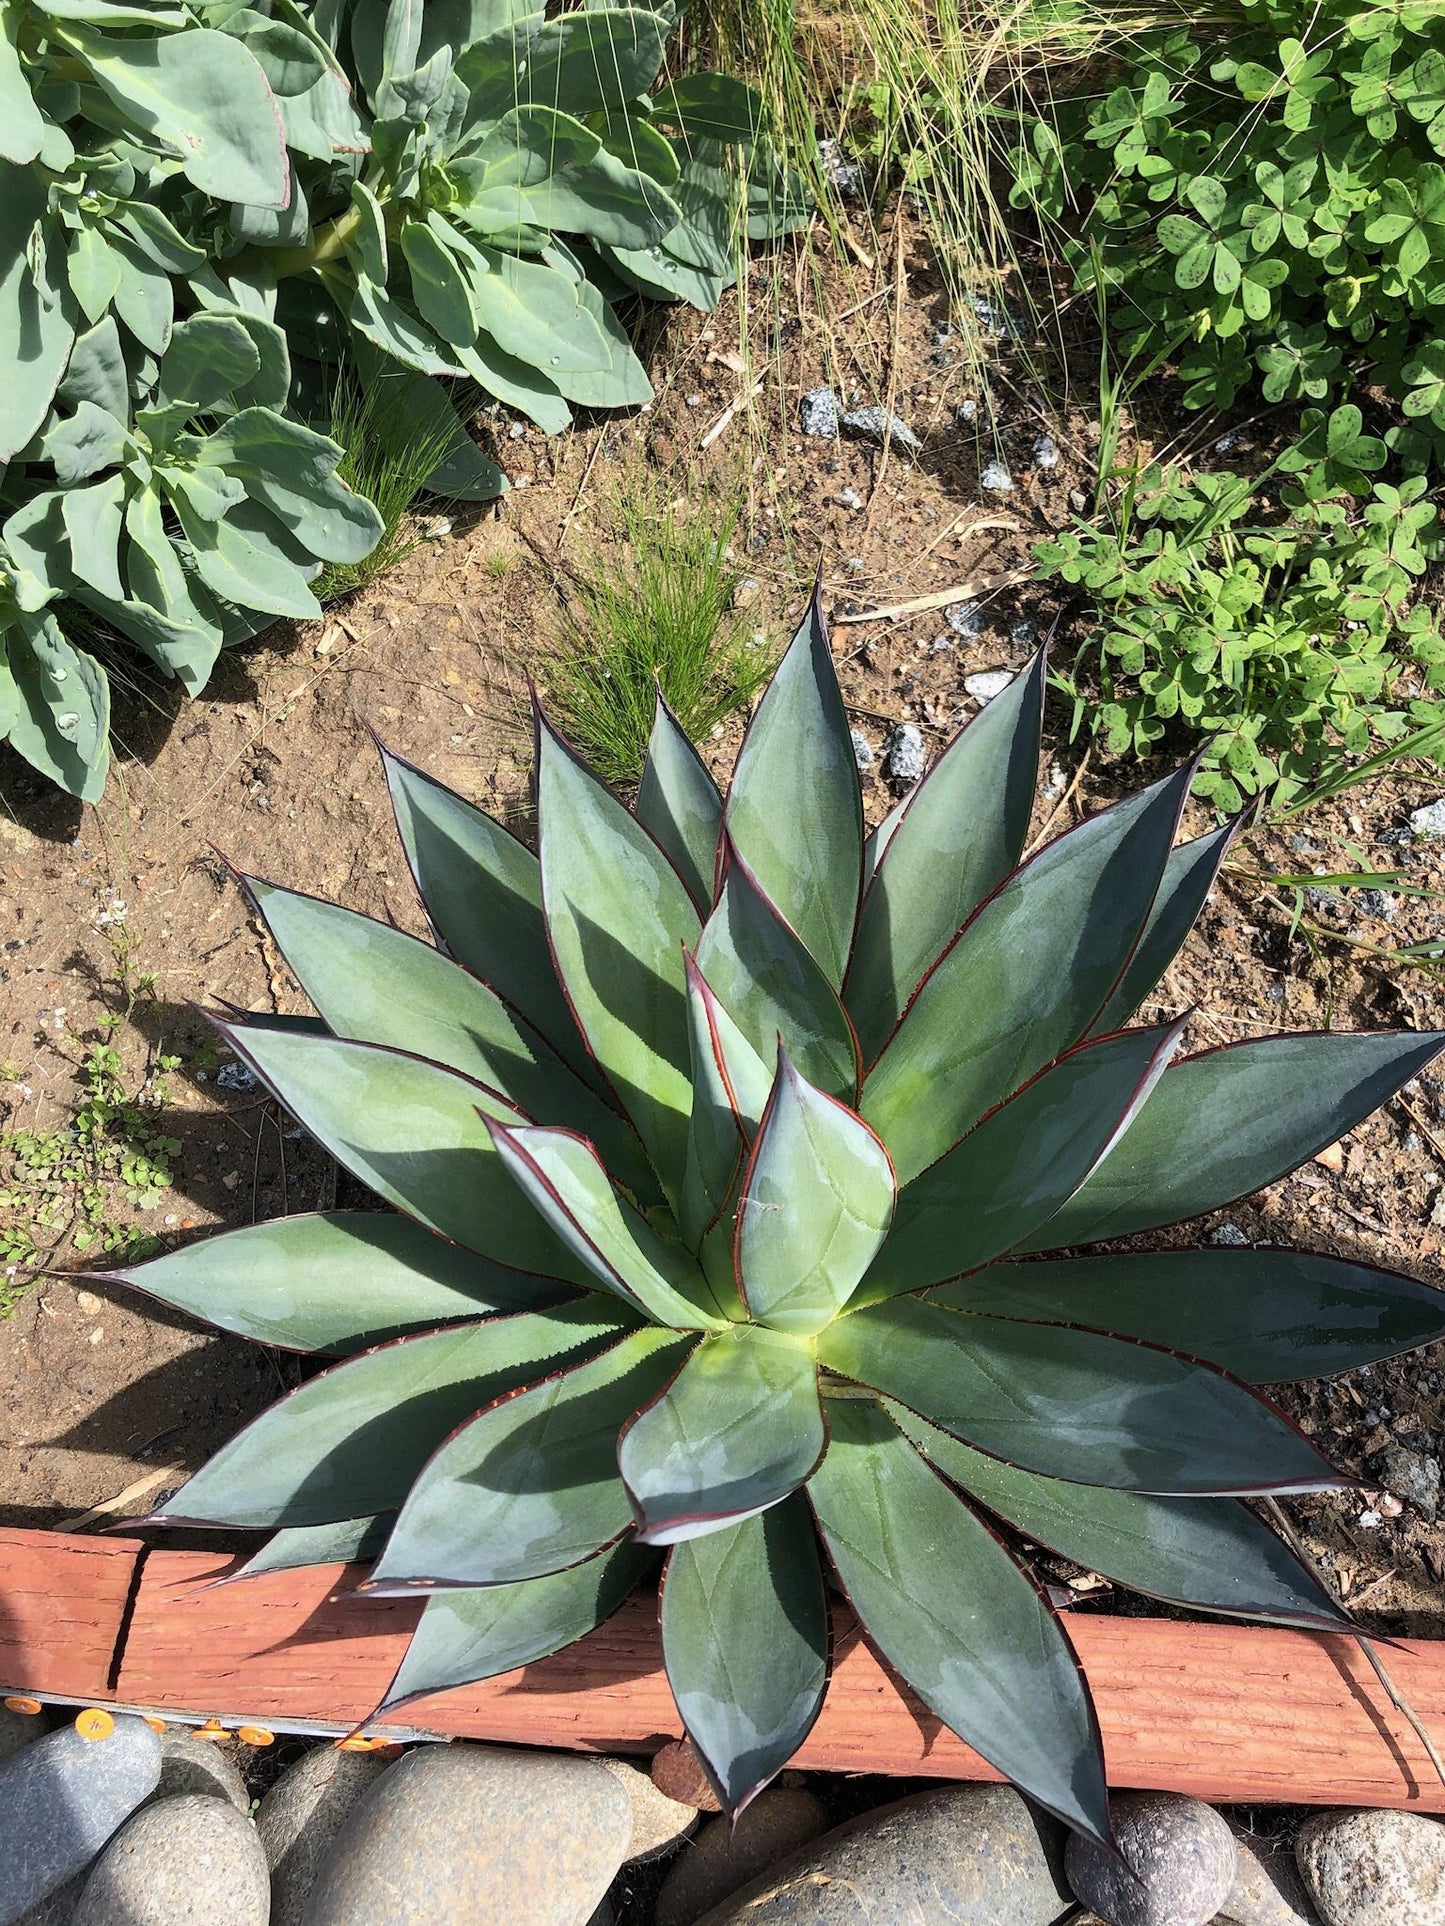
(299, 1818)
(541, 1831)
(189, 1764)
(658, 1823)
(1374, 1868)
(720, 1860)
(61, 1799)
(58, 1909)
(971, 1856)
(189, 1859)
(18, 1729)
(1268, 1890)
(1182, 1854)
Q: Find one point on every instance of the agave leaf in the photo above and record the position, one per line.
(618, 918)
(1024, 979)
(771, 985)
(1075, 1404)
(378, 985)
(337, 1281)
(438, 1164)
(1189, 875)
(568, 1183)
(817, 1201)
(1268, 1316)
(483, 894)
(745, 1643)
(1211, 1553)
(678, 801)
(350, 1541)
(950, 1610)
(731, 1086)
(351, 1441)
(1012, 1171)
(737, 1429)
(466, 1636)
(530, 1486)
(1261, 1107)
(958, 835)
(795, 811)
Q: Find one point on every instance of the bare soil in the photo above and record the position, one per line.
(274, 772)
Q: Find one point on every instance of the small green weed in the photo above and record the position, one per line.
(652, 609)
(1272, 615)
(61, 1188)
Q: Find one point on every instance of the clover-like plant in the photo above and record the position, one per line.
(727, 1147)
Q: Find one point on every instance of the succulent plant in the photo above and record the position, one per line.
(727, 1147)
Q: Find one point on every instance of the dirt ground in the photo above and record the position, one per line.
(129, 905)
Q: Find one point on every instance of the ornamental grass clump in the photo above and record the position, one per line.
(728, 1147)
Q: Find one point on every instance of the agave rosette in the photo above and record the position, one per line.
(727, 1147)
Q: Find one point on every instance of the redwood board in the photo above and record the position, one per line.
(62, 1609)
(1227, 1712)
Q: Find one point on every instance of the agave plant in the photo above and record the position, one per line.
(727, 1147)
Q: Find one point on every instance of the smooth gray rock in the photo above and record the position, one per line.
(189, 1764)
(470, 1835)
(658, 1823)
(987, 684)
(299, 1818)
(970, 1856)
(1268, 1890)
(189, 1861)
(1374, 1868)
(821, 414)
(862, 751)
(876, 424)
(1411, 1475)
(996, 478)
(718, 1861)
(1428, 824)
(58, 1909)
(61, 1799)
(19, 1729)
(1182, 1853)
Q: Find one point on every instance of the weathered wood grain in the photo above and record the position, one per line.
(62, 1605)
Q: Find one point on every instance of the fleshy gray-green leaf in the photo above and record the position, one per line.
(1074, 1404)
(1209, 1553)
(735, 1431)
(771, 985)
(469, 1635)
(483, 894)
(794, 810)
(950, 1610)
(530, 1486)
(678, 801)
(349, 1541)
(414, 1132)
(745, 1643)
(958, 835)
(730, 1092)
(351, 1441)
(378, 985)
(1189, 875)
(817, 1201)
(335, 1281)
(1269, 1316)
(618, 918)
(37, 317)
(1024, 980)
(1014, 1170)
(1220, 1125)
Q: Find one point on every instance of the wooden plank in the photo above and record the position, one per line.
(1227, 1712)
(62, 1605)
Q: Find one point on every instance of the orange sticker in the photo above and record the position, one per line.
(92, 1723)
(19, 1704)
(255, 1735)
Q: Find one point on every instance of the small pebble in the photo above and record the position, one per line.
(849, 498)
(964, 618)
(987, 684)
(1078, 501)
(1377, 902)
(843, 174)
(1046, 455)
(876, 424)
(1228, 1236)
(821, 414)
(996, 478)
(1267, 1889)
(966, 413)
(189, 1858)
(862, 750)
(1374, 1868)
(1182, 1855)
(1428, 824)
(1411, 1476)
(855, 565)
(905, 755)
(1023, 632)
(236, 1076)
